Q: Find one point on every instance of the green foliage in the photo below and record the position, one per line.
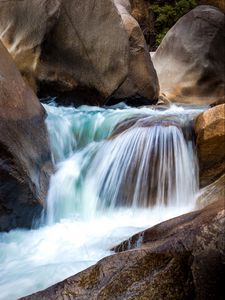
(167, 15)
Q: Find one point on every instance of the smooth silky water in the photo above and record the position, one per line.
(107, 186)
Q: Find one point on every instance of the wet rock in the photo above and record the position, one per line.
(212, 192)
(210, 132)
(178, 259)
(25, 158)
(142, 120)
(149, 141)
(83, 52)
(190, 60)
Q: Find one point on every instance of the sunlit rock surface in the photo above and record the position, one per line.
(210, 131)
(190, 60)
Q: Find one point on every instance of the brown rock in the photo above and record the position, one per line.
(25, 158)
(177, 259)
(141, 120)
(218, 102)
(210, 131)
(190, 61)
(210, 193)
(79, 50)
(163, 100)
(142, 81)
(218, 3)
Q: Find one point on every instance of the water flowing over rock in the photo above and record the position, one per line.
(210, 131)
(190, 61)
(126, 179)
(150, 162)
(177, 259)
(85, 50)
(25, 159)
(145, 167)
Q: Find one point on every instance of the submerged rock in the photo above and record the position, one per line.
(210, 131)
(190, 60)
(177, 259)
(82, 51)
(151, 156)
(25, 158)
(141, 120)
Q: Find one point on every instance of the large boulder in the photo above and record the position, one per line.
(141, 83)
(210, 132)
(84, 51)
(178, 259)
(25, 158)
(190, 61)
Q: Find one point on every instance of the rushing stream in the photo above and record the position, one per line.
(118, 170)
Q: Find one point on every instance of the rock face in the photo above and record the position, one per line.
(210, 131)
(190, 61)
(85, 50)
(25, 159)
(177, 259)
(213, 191)
(141, 82)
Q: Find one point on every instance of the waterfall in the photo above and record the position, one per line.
(151, 162)
(119, 170)
(144, 167)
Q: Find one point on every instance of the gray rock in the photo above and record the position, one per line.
(190, 61)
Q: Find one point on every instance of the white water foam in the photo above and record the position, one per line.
(78, 233)
(32, 260)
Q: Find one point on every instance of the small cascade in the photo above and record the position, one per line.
(143, 167)
(119, 170)
(122, 158)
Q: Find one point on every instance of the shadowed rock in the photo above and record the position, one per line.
(141, 83)
(25, 158)
(82, 51)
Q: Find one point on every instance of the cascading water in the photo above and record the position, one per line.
(149, 163)
(118, 170)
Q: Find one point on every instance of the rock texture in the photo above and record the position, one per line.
(190, 61)
(210, 193)
(178, 259)
(154, 23)
(142, 120)
(210, 131)
(141, 83)
(25, 159)
(83, 51)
